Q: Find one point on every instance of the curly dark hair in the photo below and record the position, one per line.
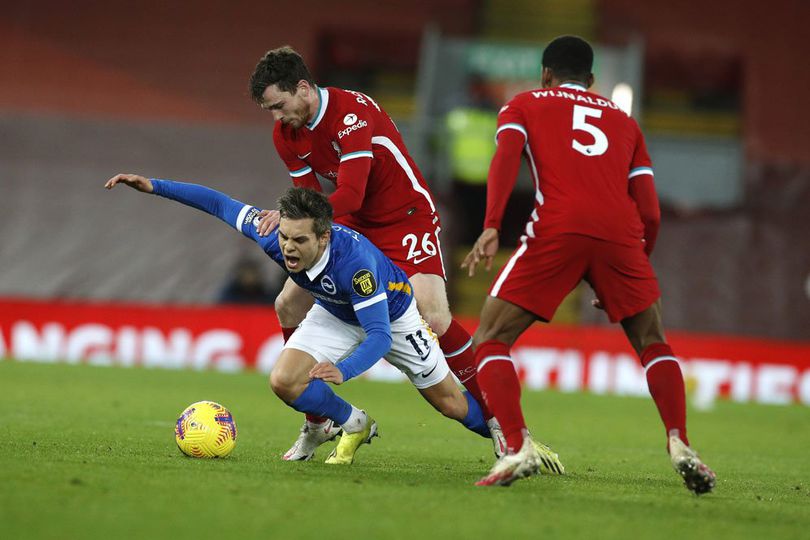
(303, 203)
(283, 67)
(569, 57)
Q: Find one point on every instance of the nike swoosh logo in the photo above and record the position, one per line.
(417, 261)
(304, 156)
(426, 375)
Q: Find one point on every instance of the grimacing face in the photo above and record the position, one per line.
(288, 108)
(300, 246)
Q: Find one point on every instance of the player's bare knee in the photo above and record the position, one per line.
(277, 383)
(283, 311)
(431, 299)
(285, 385)
(438, 320)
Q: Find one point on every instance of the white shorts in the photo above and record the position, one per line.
(414, 349)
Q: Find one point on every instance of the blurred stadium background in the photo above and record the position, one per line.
(92, 88)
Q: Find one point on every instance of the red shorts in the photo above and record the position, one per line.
(412, 244)
(542, 271)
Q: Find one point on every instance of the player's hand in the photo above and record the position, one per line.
(328, 372)
(132, 180)
(268, 220)
(484, 249)
(597, 304)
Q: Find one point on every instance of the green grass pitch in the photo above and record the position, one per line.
(89, 453)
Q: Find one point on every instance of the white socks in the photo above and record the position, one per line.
(356, 422)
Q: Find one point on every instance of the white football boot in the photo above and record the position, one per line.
(697, 476)
(512, 467)
(311, 437)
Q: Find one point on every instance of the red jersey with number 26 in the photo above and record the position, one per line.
(356, 145)
(582, 151)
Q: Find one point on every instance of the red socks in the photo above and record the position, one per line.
(501, 389)
(665, 381)
(456, 343)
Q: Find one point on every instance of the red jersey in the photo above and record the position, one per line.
(355, 144)
(582, 152)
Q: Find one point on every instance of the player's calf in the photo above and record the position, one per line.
(287, 385)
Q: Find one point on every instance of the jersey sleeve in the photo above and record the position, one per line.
(370, 304)
(511, 117)
(301, 173)
(353, 131)
(641, 164)
(511, 137)
(641, 186)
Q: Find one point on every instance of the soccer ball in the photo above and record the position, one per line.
(205, 430)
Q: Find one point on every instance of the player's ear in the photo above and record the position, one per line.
(546, 77)
(324, 239)
(589, 80)
(304, 87)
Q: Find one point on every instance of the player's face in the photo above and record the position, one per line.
(288, 108)
(301, 247)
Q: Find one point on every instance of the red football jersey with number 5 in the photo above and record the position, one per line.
(582, 152)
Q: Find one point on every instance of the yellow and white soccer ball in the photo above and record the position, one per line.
(205, 430)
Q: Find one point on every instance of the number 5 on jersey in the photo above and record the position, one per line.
(580, 122)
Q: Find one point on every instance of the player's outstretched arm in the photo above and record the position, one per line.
(200, 197)
(134, 181)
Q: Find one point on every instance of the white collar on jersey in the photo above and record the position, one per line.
(323, 102)
(313, 272)
(574, 86)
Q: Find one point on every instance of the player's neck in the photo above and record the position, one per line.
(314, 104)
(318, 257)
(574, 82)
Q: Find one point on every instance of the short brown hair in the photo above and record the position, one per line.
(283, 67)
(303, 203)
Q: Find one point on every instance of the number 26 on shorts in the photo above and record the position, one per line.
(428, 248)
